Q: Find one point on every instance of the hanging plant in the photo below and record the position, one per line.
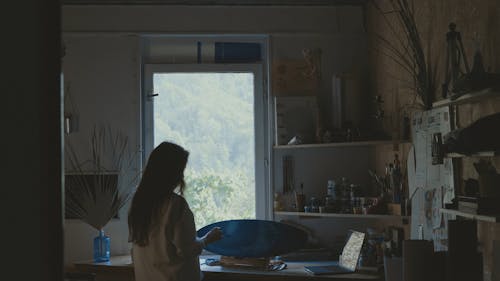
(405, 48)
(97, 187)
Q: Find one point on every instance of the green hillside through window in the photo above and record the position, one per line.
(212, 116)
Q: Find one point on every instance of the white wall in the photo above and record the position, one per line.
(102, 65)
(101, 75)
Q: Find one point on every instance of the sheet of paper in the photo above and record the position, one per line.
(448, 185)
(434, 183)
(410, 168)
(437, 204)
(419, 143)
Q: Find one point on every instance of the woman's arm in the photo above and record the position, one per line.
(213, 235)
(184, 236)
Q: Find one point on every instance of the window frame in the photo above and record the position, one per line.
(262, 148)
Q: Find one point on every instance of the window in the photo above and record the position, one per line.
(217, 113)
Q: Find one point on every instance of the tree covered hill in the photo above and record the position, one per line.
(211, 115)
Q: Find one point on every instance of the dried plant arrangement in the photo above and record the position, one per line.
(97, 187)
(405, 48)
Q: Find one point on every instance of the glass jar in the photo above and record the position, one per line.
(331, 189)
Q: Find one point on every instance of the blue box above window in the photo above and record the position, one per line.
(229, 52)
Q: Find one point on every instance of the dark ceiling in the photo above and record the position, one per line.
(217, 2)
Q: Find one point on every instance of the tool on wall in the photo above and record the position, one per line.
(437, 149)
(454, 54)
(288, 173)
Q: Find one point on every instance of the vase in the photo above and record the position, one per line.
(101, 247)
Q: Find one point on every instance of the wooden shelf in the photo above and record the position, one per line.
(468, 98)
(340, 144)
(335, 215)
(470, 216)
(477, 154)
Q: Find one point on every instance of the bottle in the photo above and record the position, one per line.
(397, 163)
(277, 201)
(345, 188)
(396, 180)
(300, 199)
(345, 200)
(352, 191)
(352, 197)
(331, 189)
(314, 205)
(101, 247)
(330, 196)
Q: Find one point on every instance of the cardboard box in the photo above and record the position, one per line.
(394, 209)
(293, 78)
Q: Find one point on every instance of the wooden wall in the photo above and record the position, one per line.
(474, 19)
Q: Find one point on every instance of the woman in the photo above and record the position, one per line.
(162, 229)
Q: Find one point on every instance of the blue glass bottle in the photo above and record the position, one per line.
(101, 247)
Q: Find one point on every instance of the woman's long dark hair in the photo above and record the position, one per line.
(163, 174)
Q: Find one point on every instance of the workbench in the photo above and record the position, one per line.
(120, 268)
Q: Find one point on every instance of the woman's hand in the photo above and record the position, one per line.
(213, 235)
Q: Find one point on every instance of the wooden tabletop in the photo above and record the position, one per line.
(120, 268)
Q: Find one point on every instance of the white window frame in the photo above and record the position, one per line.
(263, 194)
